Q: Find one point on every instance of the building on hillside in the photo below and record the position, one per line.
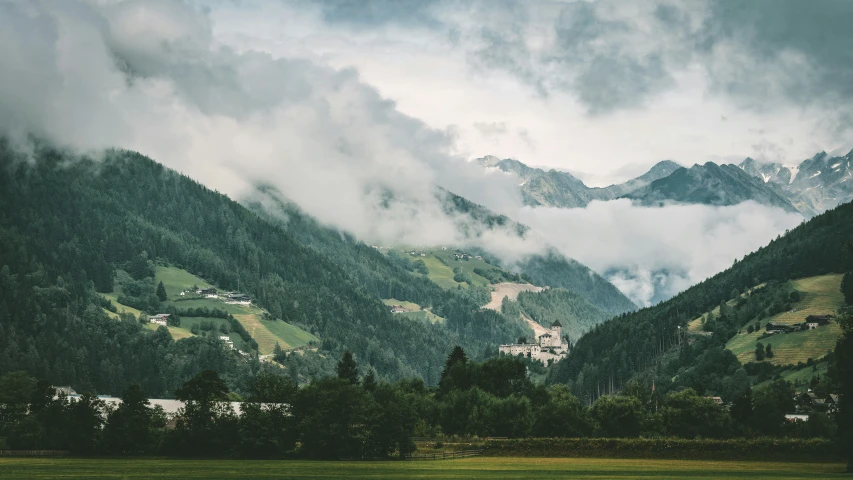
(159, 319)
(550, 348)
(821, 320)
(206, 291)
(227, 340)
(238, 299)
(65, 389)
(396, 309)
(717, 400)
(793, 417)
(811, 325)
(773, 327)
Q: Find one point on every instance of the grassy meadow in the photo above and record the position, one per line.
(820, 295)
(470, 468)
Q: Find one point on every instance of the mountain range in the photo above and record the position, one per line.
(810, 187)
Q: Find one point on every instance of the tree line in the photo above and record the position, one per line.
(356, 416)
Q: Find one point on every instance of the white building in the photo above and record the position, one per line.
(159, 319)
(550, 346)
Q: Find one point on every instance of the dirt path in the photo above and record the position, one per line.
(510, 290)
(537, 329)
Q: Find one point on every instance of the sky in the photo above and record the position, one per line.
(339, 104)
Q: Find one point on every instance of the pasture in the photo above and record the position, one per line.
(470, 468)
(820, 295)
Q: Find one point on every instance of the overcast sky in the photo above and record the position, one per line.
(339, 103)
(603, 88)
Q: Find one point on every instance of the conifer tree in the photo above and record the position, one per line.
(348, 369)
(161, 292)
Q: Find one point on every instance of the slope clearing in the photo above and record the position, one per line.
(510, 291)
(820, 296)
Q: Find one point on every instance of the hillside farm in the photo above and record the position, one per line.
(820, 296)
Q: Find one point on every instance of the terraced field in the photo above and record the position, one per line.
(177, 333)
(821, 296)
(414, 311)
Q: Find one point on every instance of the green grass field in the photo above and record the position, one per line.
(821, 295)
(471, 468)
(177, 280)
(289, 335)
(442, 272)
(415, 311)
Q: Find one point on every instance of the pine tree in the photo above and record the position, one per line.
(161, 292)
(348, 369)
(759, 351)
(768, 351)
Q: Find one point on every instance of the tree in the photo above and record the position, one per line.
(128, 427)
(455, 375)
(562, 416)
(266, 427)
(759, 351)
(750, 329)
(770, 404)
(768, 352)
(348, 369)
(688, 415)
(842, 371)
(333, 415)
(847, 288)
(206, 424)
(161, 292)
(618, 416)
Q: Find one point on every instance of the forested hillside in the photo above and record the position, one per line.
(68, 223)
(608, 356)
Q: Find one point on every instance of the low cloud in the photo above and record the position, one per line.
(653, 253)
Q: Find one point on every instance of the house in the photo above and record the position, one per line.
(65, 389)
(717, 400)
(206, 291)
(811, 325)
(238, 299)
(396, 309)
(793, 418)
(810, 399)
(776, 327)
(160, 319)
(821, 320)
(831, 402)
(227, 340)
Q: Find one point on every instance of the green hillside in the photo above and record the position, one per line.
(648, 344)
(820, 296)
(324, 284)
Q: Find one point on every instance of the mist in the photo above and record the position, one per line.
(151, 77)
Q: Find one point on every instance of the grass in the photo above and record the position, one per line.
(471, 468)
(177, 333)
(188, 322)
(177, 280)
(821, 295)
(113, 297)
(441, 264)
(289, 336)
(415, 311)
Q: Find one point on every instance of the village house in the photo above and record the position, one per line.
(159, 319)
(821, 320)
(550, 347)
(227, 340)
(238, 299)
(396, 308)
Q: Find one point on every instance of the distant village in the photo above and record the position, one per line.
(229, 298)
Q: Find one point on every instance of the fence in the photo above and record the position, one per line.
(33, 453)
(444, 455)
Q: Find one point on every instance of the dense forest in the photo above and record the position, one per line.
(614, 352)
(73, 226)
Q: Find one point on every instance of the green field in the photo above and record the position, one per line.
(188, 322)
(176, 280)
(415, 311)
(471, 468)
(442, 272)
(821, 295)
(289, 336)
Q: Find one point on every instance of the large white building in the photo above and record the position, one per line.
(550, 346)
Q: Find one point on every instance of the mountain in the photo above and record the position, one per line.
(553, 188)
(650, 342)
(711, 184)
(80, 236)
(814, 185)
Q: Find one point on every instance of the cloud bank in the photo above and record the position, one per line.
(652, 253)
(151, 76)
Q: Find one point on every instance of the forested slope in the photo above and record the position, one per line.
(80, 219)
(606, 357)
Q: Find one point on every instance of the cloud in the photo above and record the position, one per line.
(491, 129)
(652, 253)
(147, 76)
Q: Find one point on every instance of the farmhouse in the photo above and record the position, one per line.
(206, 291)
(396, 308)
(227, 340)
(821, 320)
(238, 299)
(159, 319)
(778, 327)
(551, 346)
